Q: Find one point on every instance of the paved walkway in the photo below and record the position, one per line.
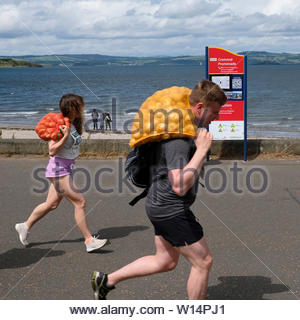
(254, 238)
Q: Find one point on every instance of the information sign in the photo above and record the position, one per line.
(229, 71)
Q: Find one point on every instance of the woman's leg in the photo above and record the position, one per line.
(70, 192)
(51, 203)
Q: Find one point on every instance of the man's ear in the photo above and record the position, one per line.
(198, 106)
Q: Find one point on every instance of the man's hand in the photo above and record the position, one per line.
(203, 140)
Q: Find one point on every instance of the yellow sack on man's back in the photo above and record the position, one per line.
(164, 115)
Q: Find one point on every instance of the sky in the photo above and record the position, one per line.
(147, 27)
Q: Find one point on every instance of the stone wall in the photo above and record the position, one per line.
(107, 148)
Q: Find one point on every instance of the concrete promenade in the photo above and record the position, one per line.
(254, 237)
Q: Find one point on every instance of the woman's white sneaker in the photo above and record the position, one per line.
(95, 244)
(22, 230)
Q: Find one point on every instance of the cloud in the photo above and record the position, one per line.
(147, 27)
(177, 9)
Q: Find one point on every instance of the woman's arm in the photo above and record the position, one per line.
(55, 146)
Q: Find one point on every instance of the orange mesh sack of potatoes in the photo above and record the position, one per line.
(48, 126)
(164, 115)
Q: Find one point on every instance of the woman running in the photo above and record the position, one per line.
(59, 171)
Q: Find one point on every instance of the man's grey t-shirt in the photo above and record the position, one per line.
(162, 202)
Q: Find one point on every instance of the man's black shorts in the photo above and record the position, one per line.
(181, 230)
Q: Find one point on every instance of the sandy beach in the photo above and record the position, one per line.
(28, 132)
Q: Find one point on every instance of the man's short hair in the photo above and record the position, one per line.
(207, 91)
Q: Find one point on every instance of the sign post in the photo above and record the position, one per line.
(229, 71)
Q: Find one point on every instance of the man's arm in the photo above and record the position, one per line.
(182, 180)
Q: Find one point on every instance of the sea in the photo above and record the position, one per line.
(27, 94)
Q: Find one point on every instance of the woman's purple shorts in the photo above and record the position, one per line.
(59, 167)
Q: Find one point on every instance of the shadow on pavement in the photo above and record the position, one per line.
(119, 232)
(243, 288)
(34, 244)
(102, 251)
(19, 258)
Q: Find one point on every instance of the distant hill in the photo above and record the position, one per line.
(102, 60)
(73, 60)
(263, 57)
(12, 63)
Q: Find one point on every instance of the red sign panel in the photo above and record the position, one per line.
(224, 61)
(232, 111)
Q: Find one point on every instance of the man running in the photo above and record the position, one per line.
(177, 231)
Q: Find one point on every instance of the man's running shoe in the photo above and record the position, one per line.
(99, 285)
